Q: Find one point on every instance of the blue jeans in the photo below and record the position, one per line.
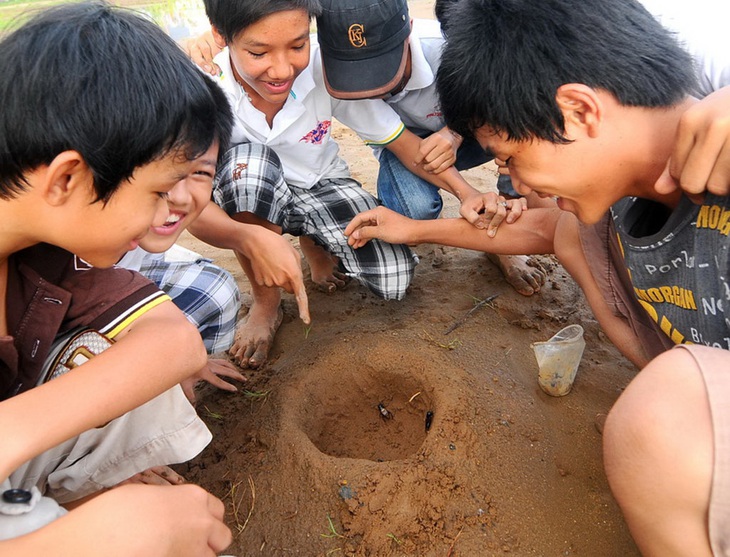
(406, 193)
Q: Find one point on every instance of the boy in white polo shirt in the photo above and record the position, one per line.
(284, 172)
(395, 59)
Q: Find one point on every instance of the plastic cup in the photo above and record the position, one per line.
(558, 360)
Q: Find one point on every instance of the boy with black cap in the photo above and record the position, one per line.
(372, 50)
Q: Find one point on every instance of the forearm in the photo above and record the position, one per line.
(156, 352)
(533, 233)
(213, 226)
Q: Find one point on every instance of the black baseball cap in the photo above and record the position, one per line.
(364, 46)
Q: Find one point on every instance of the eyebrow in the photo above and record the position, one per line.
(260, 44)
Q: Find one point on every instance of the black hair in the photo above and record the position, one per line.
(505, 59)
(105, 82)
(442, 10)
(223, 125)
(230, 17)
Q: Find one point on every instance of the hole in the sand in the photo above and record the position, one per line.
(377, 416)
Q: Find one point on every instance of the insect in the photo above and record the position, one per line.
(384, 412)
(429, 419)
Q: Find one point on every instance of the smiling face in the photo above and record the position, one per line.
(103, 233)
(269, 55)
(185, 201)
(570, 172)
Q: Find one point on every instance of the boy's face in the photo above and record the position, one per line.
(101, 234)
(568, 172)
(185, 201)
(269, 55)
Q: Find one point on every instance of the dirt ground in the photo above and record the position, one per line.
(307, 466)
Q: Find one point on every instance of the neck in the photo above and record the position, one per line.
(650, 138)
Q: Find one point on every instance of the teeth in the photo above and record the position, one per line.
(172, 219)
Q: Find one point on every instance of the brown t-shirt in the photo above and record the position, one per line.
(602, 251)
(51, 291)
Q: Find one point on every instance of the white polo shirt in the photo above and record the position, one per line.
(418, 104)
(703, 32)
(301, 130)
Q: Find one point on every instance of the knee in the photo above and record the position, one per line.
(660, 425)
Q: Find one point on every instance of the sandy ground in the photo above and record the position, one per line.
(306, 465)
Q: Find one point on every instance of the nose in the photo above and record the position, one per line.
(281, 68)
(162, 211)
(179, 195)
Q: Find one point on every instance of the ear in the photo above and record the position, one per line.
(218, 38)
(68, 175)
(581, 107)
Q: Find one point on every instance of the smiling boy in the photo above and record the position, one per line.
(582, 101)
(284, 173)
(85, 167)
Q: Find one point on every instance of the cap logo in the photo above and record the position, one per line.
(356, 35)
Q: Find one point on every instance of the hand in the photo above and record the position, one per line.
(437, 152)
(489, 210)
(380, 223)
(700, 161)
(275, 262)
(201, 50)
(169, 521)
(212, 373)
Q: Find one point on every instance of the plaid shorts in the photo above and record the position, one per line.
(250, 179)
(207, 294)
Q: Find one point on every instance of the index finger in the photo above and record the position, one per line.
(359, 220)
(300, 293)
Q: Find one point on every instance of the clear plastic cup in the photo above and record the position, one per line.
(558, 360)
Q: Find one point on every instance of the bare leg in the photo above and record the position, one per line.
(322, 265)
(255, 333)
(658, 453)
(521, 271)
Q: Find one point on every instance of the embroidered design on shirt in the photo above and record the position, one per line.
(356, 35)
(317, 135)
(238, 171)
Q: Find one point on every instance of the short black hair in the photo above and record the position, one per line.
(105, 82)
(442, 11)
(223, 124)
(505, 59)
(230, 17)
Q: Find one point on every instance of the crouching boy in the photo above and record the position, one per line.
(102, 116)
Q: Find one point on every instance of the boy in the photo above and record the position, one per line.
(205, 293)
(284, 172)
(587, 111)
(85, 166)
(373, 50)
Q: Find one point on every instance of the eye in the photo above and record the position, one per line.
(300, 47)
(204, 173)
(163, 195)
(256, 55)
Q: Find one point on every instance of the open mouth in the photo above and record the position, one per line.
(172, 220)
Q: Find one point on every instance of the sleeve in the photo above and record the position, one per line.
(373, 120)
(108, 300)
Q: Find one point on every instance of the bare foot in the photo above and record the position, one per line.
(323, 266)
(521, 271)
(157, 475)
(255, 336)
